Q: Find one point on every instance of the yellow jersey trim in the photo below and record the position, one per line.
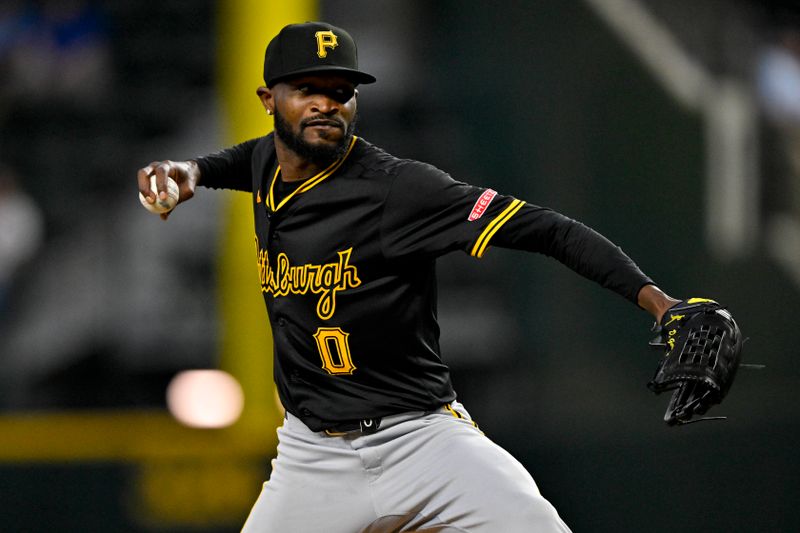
(483, 240)
(310, 182)
(458, 415)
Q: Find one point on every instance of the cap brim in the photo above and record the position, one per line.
(356, 75)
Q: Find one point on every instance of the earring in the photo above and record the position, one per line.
(269, 111)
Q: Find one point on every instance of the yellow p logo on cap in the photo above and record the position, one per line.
(325, 40)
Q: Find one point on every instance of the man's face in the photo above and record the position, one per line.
(314, 115)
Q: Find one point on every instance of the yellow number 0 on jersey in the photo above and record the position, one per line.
(334, 351)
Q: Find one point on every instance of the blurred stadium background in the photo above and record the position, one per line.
(671, 126)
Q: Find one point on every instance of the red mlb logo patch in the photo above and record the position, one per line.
(481, 204)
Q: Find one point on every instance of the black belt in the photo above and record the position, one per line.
(366, 426)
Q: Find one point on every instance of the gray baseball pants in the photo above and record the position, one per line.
(427, 472)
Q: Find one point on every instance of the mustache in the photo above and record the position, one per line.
(322, 120)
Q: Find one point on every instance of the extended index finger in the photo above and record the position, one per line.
(143, 178)
(165, 169)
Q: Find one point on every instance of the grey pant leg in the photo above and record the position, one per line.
(317, 485)
(442, 472)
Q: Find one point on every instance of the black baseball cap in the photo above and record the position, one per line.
(309, 48)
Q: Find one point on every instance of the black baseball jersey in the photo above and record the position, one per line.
(346, 261)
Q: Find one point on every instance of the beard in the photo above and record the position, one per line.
(320, 154)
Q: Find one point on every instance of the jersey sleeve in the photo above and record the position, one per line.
(427, 212)
(582, 249)
(229, 168)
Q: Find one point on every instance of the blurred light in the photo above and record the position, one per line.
(205, 398)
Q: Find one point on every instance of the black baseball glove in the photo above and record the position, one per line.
(703, 351)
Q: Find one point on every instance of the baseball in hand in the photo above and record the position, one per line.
(161, 206)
